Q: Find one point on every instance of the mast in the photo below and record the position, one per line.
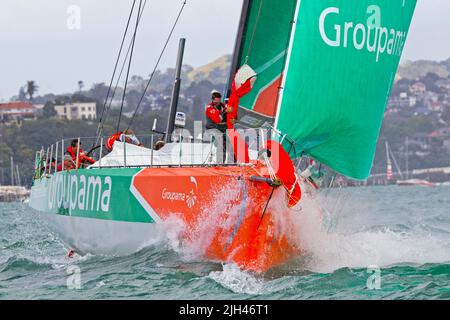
(238, 44)
(12, 171)
(407, 157)
(19, 182)
(176, 91)
(395, 162)
(389, 174)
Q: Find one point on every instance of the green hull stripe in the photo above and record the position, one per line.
(98, 194)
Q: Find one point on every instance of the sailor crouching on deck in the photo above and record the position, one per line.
(127, 136)
(70, 157)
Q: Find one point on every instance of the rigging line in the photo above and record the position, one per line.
(254, 31)
(396, 163)
(129, 66)
(103, 120)
(117, 83)
(265, 208)
(121, 70)
(157, 63)
(116, 65)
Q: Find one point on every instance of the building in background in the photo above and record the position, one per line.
(77, 111)
(418, 88)
(13, 111)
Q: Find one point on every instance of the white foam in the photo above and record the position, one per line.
(191, 242)
(329, 251)
(325, 249)
(237, 280)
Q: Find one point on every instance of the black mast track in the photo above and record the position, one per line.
(238, 43)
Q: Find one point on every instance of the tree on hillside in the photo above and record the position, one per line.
(32, 88)
(62, 99)
(430, 81)
(80, 85)
(203, 90)
(79, 97)
(22, 95)
(49, 110)
(446, 115)
(132, 99)
(98, 92)
(5, 154)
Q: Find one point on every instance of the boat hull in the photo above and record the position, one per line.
(217, 212)
(415, 182)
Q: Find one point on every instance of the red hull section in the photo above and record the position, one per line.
(222, 210)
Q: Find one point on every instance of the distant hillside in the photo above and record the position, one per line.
(412, 70)
(216, 71)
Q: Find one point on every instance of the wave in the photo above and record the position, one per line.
(237, 280)
(26, 264)
(381, 246)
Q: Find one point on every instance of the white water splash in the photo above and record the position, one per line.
(168, 232)
(329, 251)
(192, 242)
(237, 280)
(312, 228)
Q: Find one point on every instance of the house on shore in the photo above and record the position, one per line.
(16, 111)
(77, 111)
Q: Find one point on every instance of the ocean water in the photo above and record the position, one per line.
(373, 243)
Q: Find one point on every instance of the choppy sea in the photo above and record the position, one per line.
(375, 243)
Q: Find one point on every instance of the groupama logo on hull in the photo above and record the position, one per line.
(79, 192)
(189, 198)
(370, 35)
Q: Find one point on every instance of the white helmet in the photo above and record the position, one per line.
(215, 92)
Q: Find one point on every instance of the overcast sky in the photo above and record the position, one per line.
(36, 43)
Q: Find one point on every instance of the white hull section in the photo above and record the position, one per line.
(104, 237)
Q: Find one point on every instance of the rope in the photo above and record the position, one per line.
(120, 75)
(107, 108)
(100, 124)
(265, 208)
(157, 64)
(129, 66)
(117, 61)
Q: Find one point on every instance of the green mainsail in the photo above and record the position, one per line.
(341, 66)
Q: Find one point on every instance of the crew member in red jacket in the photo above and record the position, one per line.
(127, 136)
(216, 113)
(70, 160)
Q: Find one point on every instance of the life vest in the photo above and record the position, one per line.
(82, 157)
(110, 142)
(72, 153)
(215, 116)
